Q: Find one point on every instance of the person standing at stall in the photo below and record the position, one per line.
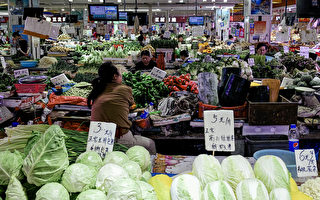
(146, 63)
(110, 101)
(21, 44)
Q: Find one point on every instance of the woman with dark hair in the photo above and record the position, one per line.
(146, 63)
(110, 101)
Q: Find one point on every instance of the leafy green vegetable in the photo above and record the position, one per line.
(280, 194)
(272, 171)
(186, 187)
(10, 165)
(108, 175)
(235, 169)
(92, 195)
(146, 176)
(164, 43)
(251, 189)
(52, 191)
(133, 170)
(91, 159)
(15, 190)
(116, 157)
(124, 189)
(207, 169)
(140, 155)
(47, 159)
(31, 141)
(79, 177)
(218, 190)
(147, 191)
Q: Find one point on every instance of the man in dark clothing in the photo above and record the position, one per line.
(146, 63)
(21, 45)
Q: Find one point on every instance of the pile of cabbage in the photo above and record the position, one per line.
(233, 179)
(45, 166)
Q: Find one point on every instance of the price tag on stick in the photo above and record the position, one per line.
(219, 130)
(252, 50)
(60, 80)
(304, 51)
(306, 162)
(158, 73)
(101, 137)
(21, 72)
(251, 62)
(286, 49)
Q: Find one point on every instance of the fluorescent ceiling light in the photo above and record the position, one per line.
(140, 10)
(101, 1)
(73, 9)
(89, 0)
(119, 1)
(225, 0)
(62, 9)
(181, 1)
(70, 0)
(169, 1)
(204, 0)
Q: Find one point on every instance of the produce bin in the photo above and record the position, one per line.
(255, 143)
(240, 112)
(30, 88)
(283, 112)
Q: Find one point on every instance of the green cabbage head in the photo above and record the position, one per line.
(186, 187)
(272, 171)
(116, 157)
(280, 194)
(235, 169)
(141, 156)
(146, 176)
(90, 158)
(133, 170)
(251, 189)
(10, 165)
(218, 190)
(79, 177)
(108, 175)
(147, 191)
(52, 191)
(123, 189)
(207, 169)
(92, 195)
(15, 190)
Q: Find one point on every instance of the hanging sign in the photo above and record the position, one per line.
(101, 137)
(60, 80)
(158, 73)
(241, 33)
(237, 32)
(251, 31)
(219, 130)
(304, 51)
(286, 49)
(251, 62)
(21, 72)
(252, 49)
(306, 162)
(251, 25)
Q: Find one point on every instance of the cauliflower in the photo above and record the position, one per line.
(312, 188)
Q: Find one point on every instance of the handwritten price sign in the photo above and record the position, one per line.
(219, 130)
(306, 162)
(101, 137)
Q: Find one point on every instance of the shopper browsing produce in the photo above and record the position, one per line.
(110, 101)
(184, 55)
(146, 63)
(262, 49)
(21, 44)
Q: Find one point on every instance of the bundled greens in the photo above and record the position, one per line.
(145, 89)
(164, 43)
(5, 81)
(292, 61)
(81, 89)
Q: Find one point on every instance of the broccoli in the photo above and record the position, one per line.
(306, 78)
(302, 84)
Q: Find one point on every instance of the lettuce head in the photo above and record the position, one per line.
(186, 187)
(141, 156)
(280, 194)
(218, 190)
(52, 191)
(90, 158)
(251, 189)
(116, 157)
(10, 165)
(133, 170)
(92, 195)
(147, 191)
(15, 190)
(123, 189)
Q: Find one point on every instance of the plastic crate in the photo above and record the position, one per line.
(30, 88)
(28, 64)
(240, 112)
(288, 158)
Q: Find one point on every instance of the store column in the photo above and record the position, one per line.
(150, 16)
(167, 20)
(247, 13)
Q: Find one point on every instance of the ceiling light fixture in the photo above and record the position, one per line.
(181, 1)
(204, 0)
(169, 1)
(225, 1)
(73, 10)
(119, 1)
(101, 1)
(62, 9)
(89, 0)
(213, 0)
(70, 0)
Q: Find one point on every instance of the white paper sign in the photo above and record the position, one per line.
(60, 79)
(167, 34)
(252, 50)
(158, 73)
(219, 130)
(133, 37)
(101, 137)
(286, 82)
(21, 72)
(251, 62)
(304, 51)
(286, 49)
(3, 62)
(306, 162)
